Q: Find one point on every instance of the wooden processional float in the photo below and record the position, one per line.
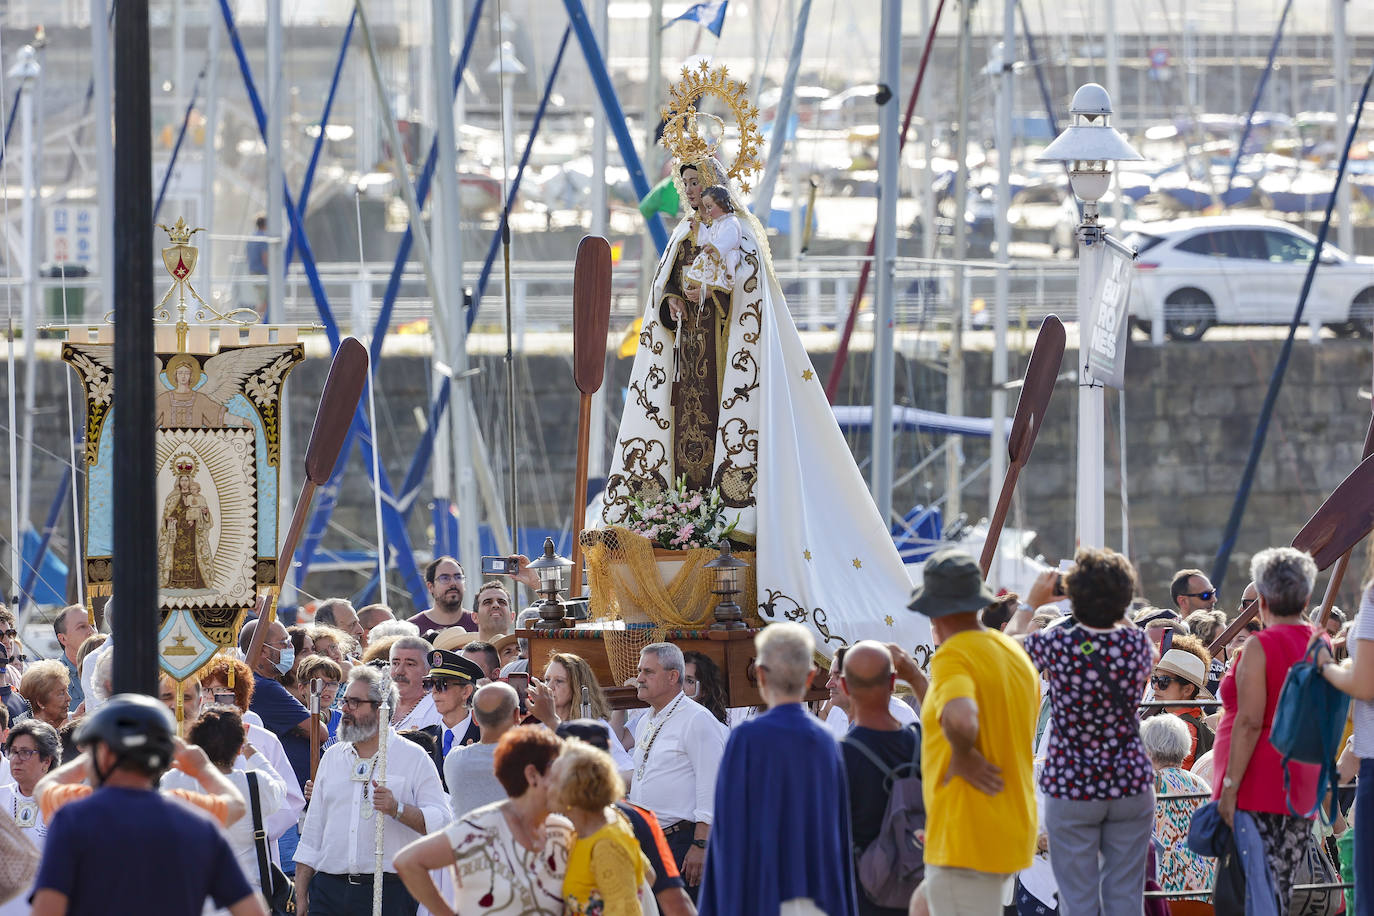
(218, 418)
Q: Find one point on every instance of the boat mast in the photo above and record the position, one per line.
(885, 253)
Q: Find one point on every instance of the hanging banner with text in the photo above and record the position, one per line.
(1111, 312)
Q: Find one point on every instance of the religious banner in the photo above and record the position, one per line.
(218, 455)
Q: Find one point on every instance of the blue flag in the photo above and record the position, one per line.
(710, 13)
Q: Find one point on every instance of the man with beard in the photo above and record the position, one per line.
(409, 669)
(445, 580)
(334, 866)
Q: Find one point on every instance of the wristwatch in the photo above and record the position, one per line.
(1228, 783)
(400, 809)
(699, 844)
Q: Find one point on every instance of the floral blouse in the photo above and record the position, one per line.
(495, 874)
(1096, 680)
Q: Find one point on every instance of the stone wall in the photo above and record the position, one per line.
(1191, 412)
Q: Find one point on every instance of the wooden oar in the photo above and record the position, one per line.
(1329, 535)
(338, 402)
(1036, 390)
(591, 318)
(316, 688)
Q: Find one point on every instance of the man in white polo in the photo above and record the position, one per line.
(678, 747)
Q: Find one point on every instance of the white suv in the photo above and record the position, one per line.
(1236, 270)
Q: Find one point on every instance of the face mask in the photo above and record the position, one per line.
(287, 658)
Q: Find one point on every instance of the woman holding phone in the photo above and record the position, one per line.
(568, 682)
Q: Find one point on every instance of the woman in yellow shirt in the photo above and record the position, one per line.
(606, 870)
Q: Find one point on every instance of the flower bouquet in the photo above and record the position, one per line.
(681, 519)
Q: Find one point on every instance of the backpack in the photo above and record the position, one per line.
(891, 866)
(1205, 736)
(1308, 723)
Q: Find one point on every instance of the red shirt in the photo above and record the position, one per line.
(1261, 788)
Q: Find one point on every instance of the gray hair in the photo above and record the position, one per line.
(785, 649)
(1166, 739)
(325, 613)
(1284, 578)
(379, 686)
(392, 628)
(505, 707)
(44, 737)
(102, 678)
(415, 644)
(669, 656)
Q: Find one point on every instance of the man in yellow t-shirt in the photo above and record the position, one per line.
(978, 724)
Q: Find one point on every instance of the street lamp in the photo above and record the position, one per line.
(1087, 148)
(550, 568)
(725, 571)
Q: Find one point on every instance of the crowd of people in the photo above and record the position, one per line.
(1055, 758)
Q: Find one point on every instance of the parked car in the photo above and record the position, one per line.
(1200, 272)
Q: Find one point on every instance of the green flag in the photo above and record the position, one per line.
(661, 199)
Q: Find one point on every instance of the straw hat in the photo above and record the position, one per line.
(451, 639)
(1183, 664)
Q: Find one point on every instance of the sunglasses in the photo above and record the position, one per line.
(438, 685)
(1204, 596)
(9, 634)
(1162, 681)
(353, 703)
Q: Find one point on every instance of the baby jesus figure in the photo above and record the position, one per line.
(719, 236)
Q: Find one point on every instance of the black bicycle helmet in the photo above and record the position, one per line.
(135, 728)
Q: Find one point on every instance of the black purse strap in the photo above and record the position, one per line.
(259, 835)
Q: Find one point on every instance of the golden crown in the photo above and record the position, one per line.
(681, 134)
(180, 233)
(184, 465)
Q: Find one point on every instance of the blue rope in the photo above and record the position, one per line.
(1259, 94)
(32, 572)
(397, 536)
(308, 181)
(9, 122)
(319, 519)
(181, 137)
(615, 115)
(1228, 541)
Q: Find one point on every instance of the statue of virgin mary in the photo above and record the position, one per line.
(723, 393)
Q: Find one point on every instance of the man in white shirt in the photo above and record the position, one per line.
(678, 747)
(837, 717)
(336, 855)
(409, 668)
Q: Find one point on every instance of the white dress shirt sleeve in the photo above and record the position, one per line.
(312, 831)
(427, 794)
(293, 802)
(705, 745)
(271, 787)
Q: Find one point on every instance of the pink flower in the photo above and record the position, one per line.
(686, 531)
(694, 503)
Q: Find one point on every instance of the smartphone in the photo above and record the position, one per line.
(521, 682)
(500, 566)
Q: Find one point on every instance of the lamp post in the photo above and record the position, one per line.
(1087, 148)
(725, 575)
(550, 568)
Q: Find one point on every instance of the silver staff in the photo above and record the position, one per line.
(383, 732)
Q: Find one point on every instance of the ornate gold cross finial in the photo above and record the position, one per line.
(180, 260)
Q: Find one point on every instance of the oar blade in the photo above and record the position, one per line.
(1041, 373)
(591, 312)
(1341, 521)
(342, 391)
